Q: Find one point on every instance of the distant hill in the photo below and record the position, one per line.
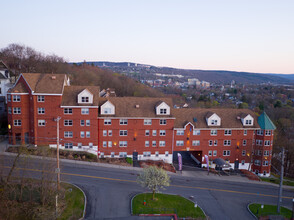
(212, 76)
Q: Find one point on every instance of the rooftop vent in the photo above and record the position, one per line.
(194, 119)
(238, 117)
(53, 77)
(137, 106)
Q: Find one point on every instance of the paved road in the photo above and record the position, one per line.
(109, 190)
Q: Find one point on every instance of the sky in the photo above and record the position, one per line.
(238, 35)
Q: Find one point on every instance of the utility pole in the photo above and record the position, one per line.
(281, 181)
(57, 156)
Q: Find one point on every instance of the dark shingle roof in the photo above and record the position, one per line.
(230, 118)
(70, 95)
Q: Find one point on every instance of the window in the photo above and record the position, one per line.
(267, 143)
(213, 122)
(243, 152)
(179, 143)
(258, 152)
(68, 145)
(82, 134)
(87, 122)
(243, 162)
(147, 121)
(195, 143)
(41, 122)
(161, 143)
(257, 162)
(180, 132)
(147, 132)
(226, 153)
(17, 122)
(109, 143)
(162, 121)
(166, 153)
(91, 145)
(266, 153)
(215, 143)
(259, 142)
(163, 111)
(109, 132)
(16, 98)
(16, 111)
(9, 98)
(259, 132)
(248, 122)
(228, 132)
(214, 153)
(196, 132)
(85, 99)
(122, 154)
(156, 153)
(154, 132)
(162, 133)
(67, 122)
(104, 143)
(267, 132)
(41, 98)
(245, 132)
(82, 123)
(146, 143)
(41, 111)
(107, 111)
(210, 153)
(68, 134)
(227, 142)
(104, 133)
(146, 154)
(87, 134)
(123, 133)
(244, 142)
(80, 145)
(210, 142)
(84, 111)
(9, 110)
(153, 143)
(123, 121)
(67, 111)
(265, 163)
(213, 132)
(107, 121)
(123, 143)
(112, 154)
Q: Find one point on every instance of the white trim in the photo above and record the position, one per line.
(79, 106)
(107, 117)
(14, 93)
(215, 128)
(57, 94)
(24, 80)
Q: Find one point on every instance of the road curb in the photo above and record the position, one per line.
(250, 211)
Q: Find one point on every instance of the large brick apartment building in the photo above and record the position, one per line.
(144, 128)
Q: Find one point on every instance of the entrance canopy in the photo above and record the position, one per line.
(221, 163)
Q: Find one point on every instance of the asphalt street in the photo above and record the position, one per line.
(109, 190)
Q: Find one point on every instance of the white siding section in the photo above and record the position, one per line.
(163, 105)
(107, 109)
(85, 93)
(212, 119)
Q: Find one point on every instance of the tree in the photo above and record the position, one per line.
(153, 178)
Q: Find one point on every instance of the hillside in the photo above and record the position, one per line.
(212, 76)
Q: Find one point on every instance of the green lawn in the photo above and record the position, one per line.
(269, 210)
(277, 181)
(75, 202)
(166, 204)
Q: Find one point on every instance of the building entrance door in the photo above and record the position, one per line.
(135, 159)
(237, 164)
(27, 138)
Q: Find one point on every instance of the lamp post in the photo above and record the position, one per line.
(292, 218)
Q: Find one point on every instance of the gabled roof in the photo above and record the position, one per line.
(265, 123)
(19, 88)
(70, 95)
(3, 65)
(229, 117)
(137, 106)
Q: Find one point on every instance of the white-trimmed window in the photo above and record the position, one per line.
(258, 152)
(16, 110)
(245, 132)
(147, 121)
(228, 132)
(147, 132)
(41, 111)
(226, 153)
(162, 121)
(146, 143)
(91, 145)
(259, 142)
(153, 143)
(82, 134)
(215, 153)
(107, 111)
(109, 132)
(67, 111)
(109, 143)
(213, 122)
(267, 143)
(265, 163)
(257, 162)
(162, 133)
(68, 145)
(9, 98)
(166, 153)
(210, 142)
(104, 143)
(196, 132)
(268, 132)
(156, 153)
(16, 98)
(80, 145)
(154, 132)
(180, 132)
(243, 162)
(244, 142)
(68, 134)
(123, 121)
(210, 153)
(266, 153)
(179, 143)
(85, 99)
(163, 111)
(88, 123)
(215, 142)
(146, 154)
(107, 121)
(85, 111)
(227, 142)
(243, 152)
(67, 122)
(41, 122)
(17, 122)
(122, 154)
(9, 110)
(248, 122)
(196, 143)
(259, 132)
(123, 143)
(88, 134)
(213, 132)
(123, 133)
(161, 143)
(112, 154)
(104, 133)
(41, 98)
(82, 122)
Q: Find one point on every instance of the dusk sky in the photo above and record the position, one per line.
(239, 35)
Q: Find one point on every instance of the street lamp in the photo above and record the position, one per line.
(292, 218)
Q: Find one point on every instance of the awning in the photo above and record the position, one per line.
(221, 162)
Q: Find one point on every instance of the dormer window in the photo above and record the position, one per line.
(85, 99)
(213, 122)
(246, 119)
(163, 111)
(213, 119)
(248, 122)
(107, 108)
(107, 111)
